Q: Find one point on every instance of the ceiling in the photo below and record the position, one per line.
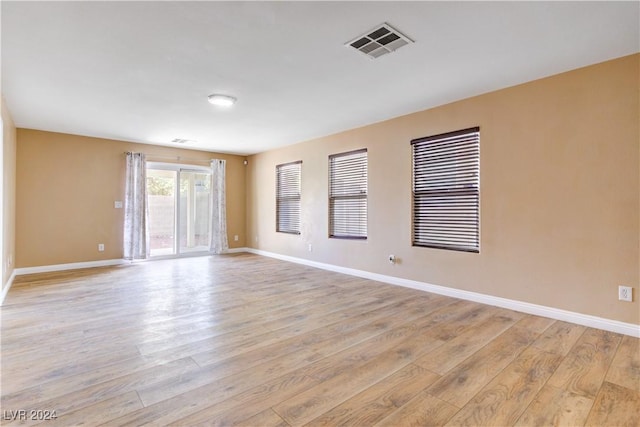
(142, 71)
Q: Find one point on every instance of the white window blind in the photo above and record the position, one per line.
(446, 190)
(288, 197)
(348, 195)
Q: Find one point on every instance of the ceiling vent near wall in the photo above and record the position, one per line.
(379, 41)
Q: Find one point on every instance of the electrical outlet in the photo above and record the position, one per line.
(310, 247)
(392, 259)
(100, 247)
(117, 204)
(625, 293)
(235, 238)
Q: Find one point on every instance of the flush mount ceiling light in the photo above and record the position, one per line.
(222, 100)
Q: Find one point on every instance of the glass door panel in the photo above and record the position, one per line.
(161, 196)
(195, 214)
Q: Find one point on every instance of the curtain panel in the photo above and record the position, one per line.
(136, 224)
(219, 242)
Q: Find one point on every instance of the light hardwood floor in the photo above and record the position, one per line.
(247, 340)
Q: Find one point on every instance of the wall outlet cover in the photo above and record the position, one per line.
(625, 293)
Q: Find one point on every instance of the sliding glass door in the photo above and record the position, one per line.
(179, 209)
(161, 198)
(195, 212)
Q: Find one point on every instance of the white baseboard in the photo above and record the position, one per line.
(5, 288)
(237, 250)
(106, 263)
(525, 307)
(71, 266)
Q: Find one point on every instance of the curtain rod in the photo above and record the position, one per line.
(178, 158)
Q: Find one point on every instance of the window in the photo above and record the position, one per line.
(446, 190)
(288, 197)
(348, 195)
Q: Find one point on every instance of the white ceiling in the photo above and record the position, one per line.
(141, 71)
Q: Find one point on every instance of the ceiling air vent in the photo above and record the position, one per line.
(379, 41)
(181, 141)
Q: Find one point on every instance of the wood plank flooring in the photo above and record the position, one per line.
(251, 341)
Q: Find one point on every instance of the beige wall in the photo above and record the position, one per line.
(7, 256)
(559, 194)
(66, 187)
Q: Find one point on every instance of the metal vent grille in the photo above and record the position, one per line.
(379, 41)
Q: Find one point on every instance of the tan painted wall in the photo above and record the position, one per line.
(559, 194)
(8, 196)
(66, 187)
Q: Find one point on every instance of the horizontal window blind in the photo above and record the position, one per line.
(288, 186)
(446, 190)
(348, 195)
